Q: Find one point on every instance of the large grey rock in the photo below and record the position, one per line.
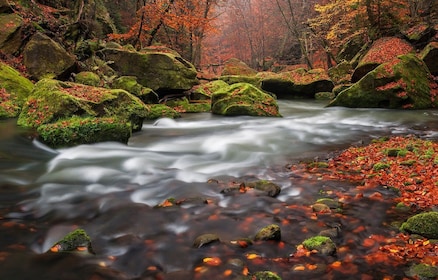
(45, 58)
(10, 38)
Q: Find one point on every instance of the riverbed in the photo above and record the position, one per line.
(112, 191)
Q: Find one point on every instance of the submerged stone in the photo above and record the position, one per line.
(268, 187)
(270, 232)
(205, 239)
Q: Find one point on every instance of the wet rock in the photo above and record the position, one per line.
(243, 99)
(268, 187)
(270, 232)
(423, 271)
(331, 203)
(424, 224)
(242, 242)
(320, 207)
(45, 58)
(323, 244)
(76, 241)
(205, 239)
(332, 232)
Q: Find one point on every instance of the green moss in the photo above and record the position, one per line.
(322, 244)
(380, 166)
(73, 240)
(424, 271)
(184, 106)
(395, 152)
(87, 78)
(424, 224)
(76, 131)
(270, 232)
(318, 164)
(263, 275)
(161, 111)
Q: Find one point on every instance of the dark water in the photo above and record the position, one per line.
(111, 191)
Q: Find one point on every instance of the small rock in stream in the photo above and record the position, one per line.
(271, 232)
(76, 241)
(205, 239)
(268, 187)
(323, 244)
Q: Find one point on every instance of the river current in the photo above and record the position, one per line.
(111, 190)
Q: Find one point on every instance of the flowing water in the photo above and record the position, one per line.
(111, 190)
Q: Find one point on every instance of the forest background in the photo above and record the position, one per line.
(262, 33)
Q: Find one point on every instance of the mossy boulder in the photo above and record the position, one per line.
(5, 7)
(323, 244)
(243, 99)
(204, 91)
(76, 131)
(341, 73)
(45, 58)
(403, 83)
(236, 67)
(234, 79)
(430, 56)
(131, 85)
(424, 224)
(299, 83)
(270, 232)
(262, 275)
(14, 89)
(10, 32)
(382, 51)
(157, 111)
(163, 72)
(87, 78)
(75, 241)
(423, 271)
(265, 186)
(53, 100)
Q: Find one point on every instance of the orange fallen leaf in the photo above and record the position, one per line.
(213, 261)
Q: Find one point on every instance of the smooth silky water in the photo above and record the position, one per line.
(111, 190)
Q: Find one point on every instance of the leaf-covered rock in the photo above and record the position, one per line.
(130, 84)
(404, 82)
(382, 51)
(204, 91)
(52, 100)
(14, 89)
(243, 99)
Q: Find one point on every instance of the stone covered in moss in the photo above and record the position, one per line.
(160, 71)
(77, 131)
(382, 51)
(268, 187)
(298, 83)
(14, 89)
(52, 100)
(10, 36)
(424, 224)
(423, 271)
(243, 99)
(157, 111)
(401, 83)
(270, 232)
(87, 78)
(45, 58)
(76, 241)
(204, 91)
(234, 79)
(130, 84)
(341, 73)
(322, 244)
(430, 56)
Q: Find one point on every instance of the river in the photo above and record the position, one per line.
(111, 190)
